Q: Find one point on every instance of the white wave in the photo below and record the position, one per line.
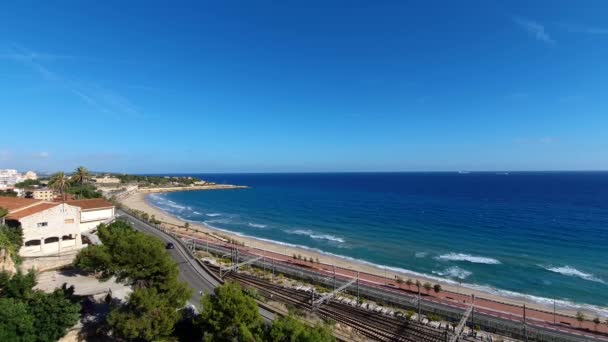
(314, 235)
(196, 213)
(256, 225)
(454, 272)
(420, 254)
(573, 272)
(469, 258)
(213, 214)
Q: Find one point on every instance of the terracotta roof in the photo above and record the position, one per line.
(90, 204)
(42, 206)
(16, 203)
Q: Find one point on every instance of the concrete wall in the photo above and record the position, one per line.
(62, 224)
(90, 219)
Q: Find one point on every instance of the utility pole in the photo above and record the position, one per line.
(358, 300)
(473, 310)
(334, 276)
(554, 311)
(418, 303)
(272, 279)
(525, 328)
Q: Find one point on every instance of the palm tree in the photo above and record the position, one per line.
(437, 288)
(580, 317)
(59, 183)
(409, 283)
(3, 213)
(427, 287)
(81, 175)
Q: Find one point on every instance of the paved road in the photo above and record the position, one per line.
(189, 270)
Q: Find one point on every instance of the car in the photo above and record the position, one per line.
(170, 245)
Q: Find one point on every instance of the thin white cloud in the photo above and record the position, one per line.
(41, 155)
(535, 29)
(98, 97)
(585, 29)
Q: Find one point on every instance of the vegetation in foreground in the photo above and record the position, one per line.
(151, 311)
(154, 310)
(28, 315)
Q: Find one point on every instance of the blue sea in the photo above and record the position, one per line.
(536, 236)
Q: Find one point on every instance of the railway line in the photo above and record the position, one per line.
(369, 324)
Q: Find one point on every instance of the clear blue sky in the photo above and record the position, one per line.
(255, 86)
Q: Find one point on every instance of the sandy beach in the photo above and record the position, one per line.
(138, 201)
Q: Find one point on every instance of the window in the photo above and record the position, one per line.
(67, 237)
(32, 243)
(68, 221)
(42, 224)
(51, 239)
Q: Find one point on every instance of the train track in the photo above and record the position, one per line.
(369, 324)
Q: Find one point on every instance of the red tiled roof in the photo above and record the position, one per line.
(16, 203)
(42, 206)
(90, 204)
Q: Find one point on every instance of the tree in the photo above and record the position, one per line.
(427, 286)
(147, 315)
(437, 288)
(418, 284)
(80, 175)
(580, 317)
(596, 321)
(131, 256)
(399, 280)
(19, 286)
(409, 282)
(59, 182)
(50, 313)
(230, 315)
(187, 225)
(16, 323)
(53, 314)
(290, 329)
(140, 260)
(3, 213)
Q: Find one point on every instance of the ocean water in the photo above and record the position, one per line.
(534, 236)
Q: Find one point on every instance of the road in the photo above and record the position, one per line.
(189, 270)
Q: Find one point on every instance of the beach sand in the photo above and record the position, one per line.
(137, 201)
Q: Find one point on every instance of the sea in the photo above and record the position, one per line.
(532, 236)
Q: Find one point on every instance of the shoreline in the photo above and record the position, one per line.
(137, 200)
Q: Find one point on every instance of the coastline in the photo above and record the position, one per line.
(484, 298)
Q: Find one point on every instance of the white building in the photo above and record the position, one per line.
(54, 228)
(48, 227)
(93, 212)
(8, 178)
(106, 180)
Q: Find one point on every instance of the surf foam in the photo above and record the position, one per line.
(468, 258)
(573, 272)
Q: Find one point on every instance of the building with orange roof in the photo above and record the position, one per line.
(55, 227)
(48, 227)
(93, 212)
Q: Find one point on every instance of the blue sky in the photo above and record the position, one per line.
(257, 86)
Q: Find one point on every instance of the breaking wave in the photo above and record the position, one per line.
(573, 272)
(213, 214)
(256, 225)
(468, 258)
(454, 272)
(314, 235)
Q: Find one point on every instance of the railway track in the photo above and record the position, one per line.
(369, 324)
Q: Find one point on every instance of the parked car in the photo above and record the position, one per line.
(170, 245)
